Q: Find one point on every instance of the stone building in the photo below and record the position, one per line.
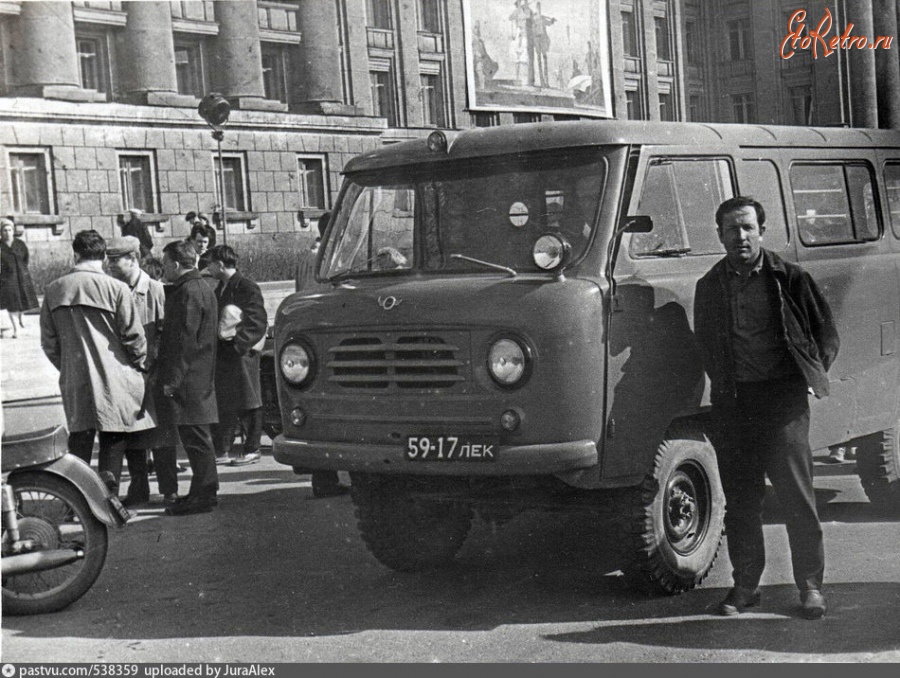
(98, 99)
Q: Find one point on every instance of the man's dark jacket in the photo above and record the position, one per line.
(237, 364)
(187, 353)
(805, 320)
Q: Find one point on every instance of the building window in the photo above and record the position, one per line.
(92, 62)
(519, 118)
(485, 119)
(663, 39)
(275, 67)
(801, 105)
(629, 34)
(234, 177)
(430, 12)
(344, 46)
(695, 107)
(30, 182)
(433, 100)
(634, 104)
(692, 44)
(189, 69)
(384, 97)
(744, 108)
(739, 39)
(311, 182)
(136, 182)
(379, 14)
(666, 106)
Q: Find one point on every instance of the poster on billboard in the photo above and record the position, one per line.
(550, 56)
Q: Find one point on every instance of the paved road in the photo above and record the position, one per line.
(275, 575)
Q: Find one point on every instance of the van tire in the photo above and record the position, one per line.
(878, 467)
(404, 532)
(672, 523)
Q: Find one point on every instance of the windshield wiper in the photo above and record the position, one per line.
(499, 267)
(669, 252)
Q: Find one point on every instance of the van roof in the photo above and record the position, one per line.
(489, 141)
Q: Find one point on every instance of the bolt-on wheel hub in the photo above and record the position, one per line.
(685, 509)
(44, 534)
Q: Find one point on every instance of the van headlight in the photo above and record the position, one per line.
(297, 364)
(508, 362)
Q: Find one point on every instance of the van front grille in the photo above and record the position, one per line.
(411, 361)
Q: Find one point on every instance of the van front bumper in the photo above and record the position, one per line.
(511, 460)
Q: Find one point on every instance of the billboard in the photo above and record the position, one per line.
(550, 56)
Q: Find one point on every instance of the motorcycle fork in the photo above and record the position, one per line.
(10, 520)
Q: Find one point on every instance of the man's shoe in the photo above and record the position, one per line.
(739, 599)
(170, 498)
(813, 604)
(245, 459)
(135, 500)
(224, 460)
(189, 505)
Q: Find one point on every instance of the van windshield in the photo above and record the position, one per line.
(491, 210)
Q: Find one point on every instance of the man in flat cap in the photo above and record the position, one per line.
(123, 262)
(92, 333)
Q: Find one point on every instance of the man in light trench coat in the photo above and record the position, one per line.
(91, 331)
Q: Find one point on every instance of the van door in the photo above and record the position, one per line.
(840, 226)
(654, 374)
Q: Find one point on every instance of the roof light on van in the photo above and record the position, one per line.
(437, 142)
(551, 251)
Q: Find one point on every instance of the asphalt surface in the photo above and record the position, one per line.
(274, 575)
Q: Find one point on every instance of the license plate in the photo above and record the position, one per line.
(119, 509)
(451, 448)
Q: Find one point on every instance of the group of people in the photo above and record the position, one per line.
(144, 366)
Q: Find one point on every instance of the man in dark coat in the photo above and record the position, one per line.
(138, 229)
(766, 337)
(185, 374)
(242, 331)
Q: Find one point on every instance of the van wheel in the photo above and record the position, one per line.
(878, 466)
(673, 521)
(406, 532)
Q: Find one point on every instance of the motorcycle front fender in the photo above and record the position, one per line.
(103, 503)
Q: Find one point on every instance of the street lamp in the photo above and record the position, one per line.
(215, 109)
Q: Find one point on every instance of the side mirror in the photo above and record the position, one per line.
(636, 224)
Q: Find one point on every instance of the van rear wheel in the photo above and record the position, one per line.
(405, 524)
(673, 521)
(878, 467)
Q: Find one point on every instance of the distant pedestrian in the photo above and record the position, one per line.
(91, 331)
(242, 331)
(16, 289)
(184, 380)
(134, 226)
(202, 238)
(122, 256)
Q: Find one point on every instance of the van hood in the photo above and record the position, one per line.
(465, 301)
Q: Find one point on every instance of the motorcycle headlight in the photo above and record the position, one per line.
(296, 363)
(507, 362)
(550, 251)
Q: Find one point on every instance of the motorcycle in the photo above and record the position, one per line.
(56, 515)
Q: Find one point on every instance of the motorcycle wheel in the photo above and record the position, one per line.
(56, 515)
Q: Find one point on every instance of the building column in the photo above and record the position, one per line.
(45, 59)
(862, 84)
(239, 57)
(318, 79)
(148, 51)
(887, 66)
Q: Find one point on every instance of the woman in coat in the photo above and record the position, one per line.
(16, 289)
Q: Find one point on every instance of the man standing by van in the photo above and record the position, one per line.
(766, 338)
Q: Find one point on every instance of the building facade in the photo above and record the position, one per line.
(98, 99)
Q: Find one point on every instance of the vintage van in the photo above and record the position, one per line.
(505, 322)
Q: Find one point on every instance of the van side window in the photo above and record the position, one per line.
(681, 196)
(892, 185)
(759, 179)
(834, 203)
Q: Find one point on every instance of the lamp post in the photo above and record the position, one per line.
(215, 109)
